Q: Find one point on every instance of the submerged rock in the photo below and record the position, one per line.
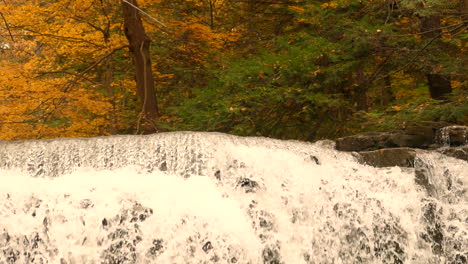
(249, 186)
(455, 152)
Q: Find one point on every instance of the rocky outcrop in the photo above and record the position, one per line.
(365, 142)
(425, 131)
(422, 135)
(399, 147)
(402, 157)
(455, 152)
(453, 136)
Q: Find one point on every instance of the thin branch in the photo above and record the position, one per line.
(415, 56)
(70, 39)
(18, 122)
(380, 67)
(7, 26)
(69, 73)
(96, 63)
(424, 32)
(80, 19)
(146, 14)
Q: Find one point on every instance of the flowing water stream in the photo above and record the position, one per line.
(215, 198)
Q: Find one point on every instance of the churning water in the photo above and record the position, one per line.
(214, 198)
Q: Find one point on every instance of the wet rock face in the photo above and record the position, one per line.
(455, 152)
(425, 131)
(402, 157)
(422, 135)
(398, 148)
(452, 136)
(382, 140)
(365, 142)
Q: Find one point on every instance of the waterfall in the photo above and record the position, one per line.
(213, 198)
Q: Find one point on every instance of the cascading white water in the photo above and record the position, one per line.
(214, 198)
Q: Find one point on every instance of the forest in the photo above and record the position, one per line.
(288, 69)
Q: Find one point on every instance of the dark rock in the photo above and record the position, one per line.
(424, 131)
(460, 258)
(248, 185)
(218, 175)
(271, 255)
(157, 248)
(455, 152)
(207, 247)
(453, 136)
(315, 159)
(414, 135)
(423, 172)
(364, 142)
(163, 166)
(434, 233)
(402, 157)
(410, 141)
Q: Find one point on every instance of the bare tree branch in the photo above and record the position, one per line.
(90, 67)
(7, 26)
(144, 13)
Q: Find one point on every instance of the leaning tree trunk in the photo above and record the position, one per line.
(439, 85)
(139, 44)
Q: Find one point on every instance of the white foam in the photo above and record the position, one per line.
(336, 211)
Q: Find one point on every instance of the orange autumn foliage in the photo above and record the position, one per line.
(58, 76)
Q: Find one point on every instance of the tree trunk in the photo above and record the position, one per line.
(107, 83)
(439, 85)
(360, 92)
(386, 96)
(139, 44)
(464, 10)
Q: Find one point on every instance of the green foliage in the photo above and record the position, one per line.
(307, 85)
(272, 94)
(454, 110)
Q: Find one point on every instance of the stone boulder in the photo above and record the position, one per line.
(425, 131)
(402, 157)
(365, 142)
(453, 136)
(381, 140)
(455, 152)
